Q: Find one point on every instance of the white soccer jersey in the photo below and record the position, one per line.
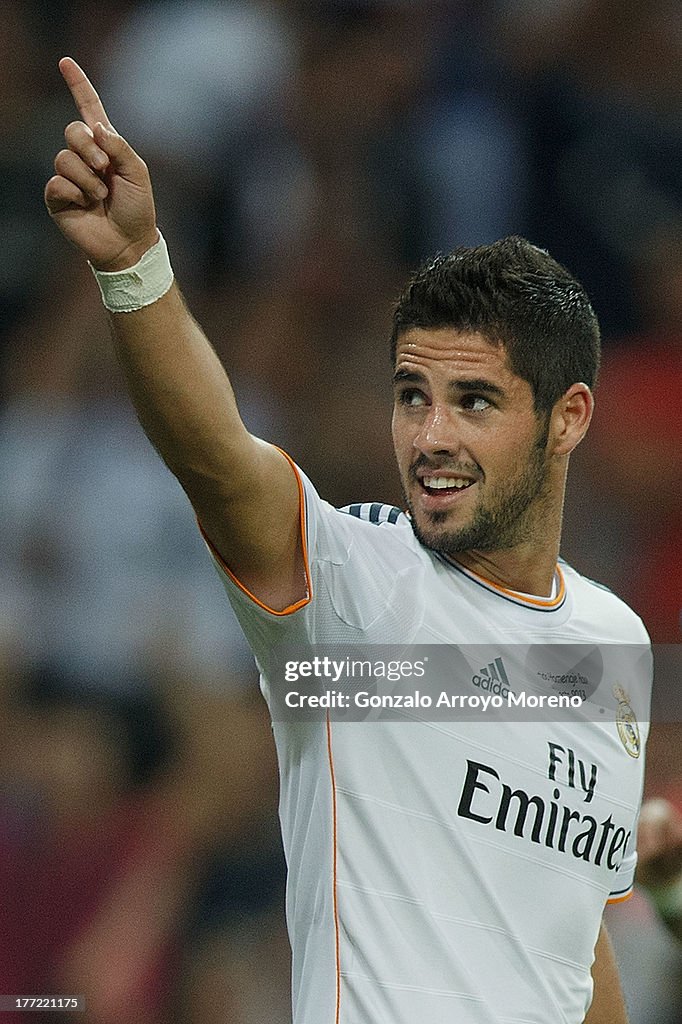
(445, 870)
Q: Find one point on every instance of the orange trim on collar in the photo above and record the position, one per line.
(528, 599)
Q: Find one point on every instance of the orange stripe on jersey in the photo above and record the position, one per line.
(620, 899)
(334, 878)
(538, 602)
(290, 609)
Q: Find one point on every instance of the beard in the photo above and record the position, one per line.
(508, 515)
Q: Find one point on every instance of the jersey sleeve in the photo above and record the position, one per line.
(628, 867)
(352, 570)
(624, 885)
(626, 880)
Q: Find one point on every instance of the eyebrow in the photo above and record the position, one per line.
(463, 384)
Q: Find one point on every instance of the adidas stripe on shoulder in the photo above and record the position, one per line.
(373, 512)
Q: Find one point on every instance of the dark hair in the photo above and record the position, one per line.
(517, 296)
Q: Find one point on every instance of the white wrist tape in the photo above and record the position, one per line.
(124, 291)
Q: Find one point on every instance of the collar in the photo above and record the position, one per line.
(542, 604)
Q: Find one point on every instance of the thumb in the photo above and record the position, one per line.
(123, 158)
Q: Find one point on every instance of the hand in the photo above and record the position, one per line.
(659, 844)
(101, 196)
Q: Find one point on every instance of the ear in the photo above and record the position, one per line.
(570, 419)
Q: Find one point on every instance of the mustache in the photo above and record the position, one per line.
(447, 467)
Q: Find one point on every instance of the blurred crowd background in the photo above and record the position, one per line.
(306, 156)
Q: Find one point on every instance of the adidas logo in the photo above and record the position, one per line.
(493, 678)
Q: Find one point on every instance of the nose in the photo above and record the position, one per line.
(436, 435)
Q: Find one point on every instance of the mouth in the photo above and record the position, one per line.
(439, 491)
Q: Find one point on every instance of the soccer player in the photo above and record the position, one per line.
(438, 871)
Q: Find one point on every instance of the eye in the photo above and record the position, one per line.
(411, 397)
(475, 403)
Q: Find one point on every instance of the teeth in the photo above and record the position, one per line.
(438, 483)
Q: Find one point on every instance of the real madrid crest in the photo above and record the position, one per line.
(628, 730)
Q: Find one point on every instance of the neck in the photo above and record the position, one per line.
(524, 571)
(530, 565)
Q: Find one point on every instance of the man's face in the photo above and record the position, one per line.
(471, 449)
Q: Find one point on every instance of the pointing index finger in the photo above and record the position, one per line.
(84, 94)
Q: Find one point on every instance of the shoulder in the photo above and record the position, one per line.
(363, 556)
(373, 525)
(375, 512)
(362, 533)
(603, 611)
(380, 527)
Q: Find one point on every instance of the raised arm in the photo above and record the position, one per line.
(242, 489)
